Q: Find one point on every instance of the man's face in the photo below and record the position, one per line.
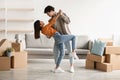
(50, 14)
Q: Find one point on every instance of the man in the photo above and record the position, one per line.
(61, 26)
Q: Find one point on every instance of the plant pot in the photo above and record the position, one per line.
(8, 54)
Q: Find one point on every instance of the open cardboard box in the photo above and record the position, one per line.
(5, 63)
(19, 59)
(4, 44)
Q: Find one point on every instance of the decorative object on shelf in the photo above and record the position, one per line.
(18, 38)
(8, 52)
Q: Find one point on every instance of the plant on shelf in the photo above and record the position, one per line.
(8, 52)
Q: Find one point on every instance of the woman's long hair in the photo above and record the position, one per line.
(37, 29)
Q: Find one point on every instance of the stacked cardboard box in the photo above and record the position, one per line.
(4, 63)
(99, 62)
(18, 59)
(108, 62)
(113, 56)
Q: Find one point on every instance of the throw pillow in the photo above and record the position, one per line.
(98, 47)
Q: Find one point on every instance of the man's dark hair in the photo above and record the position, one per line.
(37, 29)
(48, 9)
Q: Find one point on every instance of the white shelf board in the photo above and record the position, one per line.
(2, 30)
(21, 9)
(2, 8)
(20, 20)
(20, 31)
(2, 19)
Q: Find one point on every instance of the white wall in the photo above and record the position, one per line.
(99, 18)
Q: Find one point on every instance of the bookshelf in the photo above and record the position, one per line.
(2, 22)
(16, 18)
(21, 16)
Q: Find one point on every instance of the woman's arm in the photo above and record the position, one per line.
(53, 20)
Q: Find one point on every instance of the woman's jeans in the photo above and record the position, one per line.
(59, 46)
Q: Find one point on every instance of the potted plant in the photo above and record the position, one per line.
(8, 52)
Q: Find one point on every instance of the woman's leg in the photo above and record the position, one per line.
(64, 38)
(56, 53)
(61, 55)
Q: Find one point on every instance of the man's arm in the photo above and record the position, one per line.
(65, 18)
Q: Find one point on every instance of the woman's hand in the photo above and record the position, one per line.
(60, 12)
(53, 20)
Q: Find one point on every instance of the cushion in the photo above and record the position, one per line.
(43, 42)
(82, 41)
(98, 47)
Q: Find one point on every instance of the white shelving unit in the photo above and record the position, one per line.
(2, 20)
(2, 8)
(18, 17)
(2, 30)
(21, 9)
(20, 20)
(24, 31)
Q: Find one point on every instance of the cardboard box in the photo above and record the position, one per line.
(96, 58)
(107, 67)
(19, 60)
(89, 64)
(17, 47)
(4, 63)
(108, 42)
(4, 44)
(112, 50)
(114, 60)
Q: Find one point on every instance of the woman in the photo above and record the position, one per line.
(59, 39)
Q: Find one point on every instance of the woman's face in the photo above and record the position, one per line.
(42, 23)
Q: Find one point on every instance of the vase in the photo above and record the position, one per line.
(8, 54)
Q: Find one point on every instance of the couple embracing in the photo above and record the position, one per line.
(57, 28)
